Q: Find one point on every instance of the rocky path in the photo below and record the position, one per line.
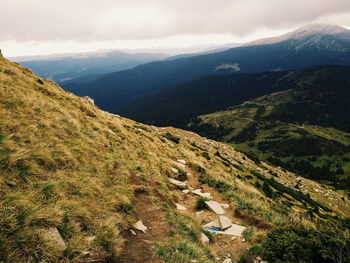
(225, 247)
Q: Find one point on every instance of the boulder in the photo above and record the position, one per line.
(52, 235)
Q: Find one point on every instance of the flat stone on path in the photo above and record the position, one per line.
(199, 193)
(215, 207)
(235, 230)
(225, 222)
(177, 183)
(180, 207)
(140, 226)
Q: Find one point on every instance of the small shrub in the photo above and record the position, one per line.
(193, 234)
(182, 175)
(267, 190)
(248, 233)
(206, 155)
(197, 168)
(218, 185)
(40, 81)
(200, 203)
(172, 137)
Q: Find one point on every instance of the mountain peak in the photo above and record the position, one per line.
(325, 29)
(301, 32)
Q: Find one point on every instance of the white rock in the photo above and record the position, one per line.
(199, 193)
(181, 161)
(177, 182)
(186, 191)
(225, 222)
(133, 232)
(225, 205)
(215, 207)
(227, 260)
(52, 235)
(87, 98)
(176, 171)
(204, 239)
(180, 207)
(140, 226)
(198, 213)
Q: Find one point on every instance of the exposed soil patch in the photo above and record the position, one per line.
(138, 248)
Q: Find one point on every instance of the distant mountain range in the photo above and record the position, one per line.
(86, 67)
(307, 46)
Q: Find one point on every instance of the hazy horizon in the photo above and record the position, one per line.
(40, 27)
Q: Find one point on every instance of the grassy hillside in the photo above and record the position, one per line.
(74, 179)
(293, 129)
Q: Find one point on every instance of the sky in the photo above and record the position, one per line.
(38, 27)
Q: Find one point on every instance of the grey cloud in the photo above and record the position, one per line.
(98, 20)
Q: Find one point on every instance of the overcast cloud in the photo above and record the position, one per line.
(92, 21)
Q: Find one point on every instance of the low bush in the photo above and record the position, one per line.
(172, 137)
(200, 203)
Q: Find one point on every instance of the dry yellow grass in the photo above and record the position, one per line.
(67, 164)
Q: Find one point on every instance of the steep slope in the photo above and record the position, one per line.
(82, 68)
(116, 90)
(74, 180)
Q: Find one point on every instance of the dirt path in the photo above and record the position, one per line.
(224, 245)
(138, 248)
